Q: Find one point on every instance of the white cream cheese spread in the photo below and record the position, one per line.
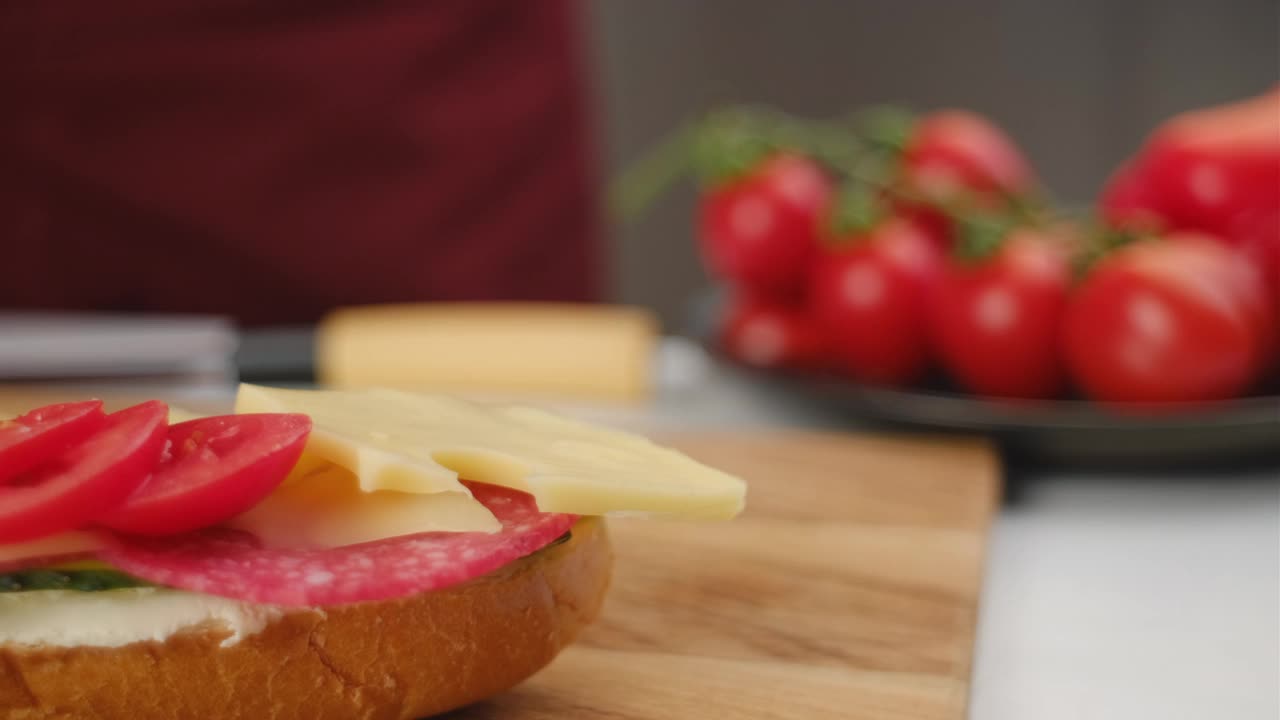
(114, 618)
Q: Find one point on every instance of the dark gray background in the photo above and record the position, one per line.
(1077, 84)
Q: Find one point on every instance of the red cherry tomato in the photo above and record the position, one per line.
(1160, 322)
(953, 153)
(213, 470)
(870, 302)
(760, 232)
(996, 323)
(956, 158)
(771, 335)
(88, 480)
(29, 440)
(1238, 273)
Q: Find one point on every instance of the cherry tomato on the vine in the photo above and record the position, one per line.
(996, 320)
(1165, 321)
(759, 232)
(869, 297)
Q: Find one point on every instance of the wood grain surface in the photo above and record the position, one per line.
(848, 589)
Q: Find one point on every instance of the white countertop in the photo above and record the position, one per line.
(1133, 597)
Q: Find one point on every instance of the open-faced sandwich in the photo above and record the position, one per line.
(319, 554)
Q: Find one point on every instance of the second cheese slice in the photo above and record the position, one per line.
(51, 548)
(328, 509)
(413, 443)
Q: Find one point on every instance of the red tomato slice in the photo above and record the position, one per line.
(212, 470)
(31, 439)
(91, 478)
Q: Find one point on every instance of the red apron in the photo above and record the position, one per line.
(273, 159)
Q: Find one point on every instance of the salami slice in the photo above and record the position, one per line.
(232, 564)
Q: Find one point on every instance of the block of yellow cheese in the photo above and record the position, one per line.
(595, 352)
(412, 443)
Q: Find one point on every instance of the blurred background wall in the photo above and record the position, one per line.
(1076, 82)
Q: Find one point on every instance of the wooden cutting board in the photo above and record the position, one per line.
(848, 589)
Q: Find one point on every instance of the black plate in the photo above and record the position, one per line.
(1072, 433)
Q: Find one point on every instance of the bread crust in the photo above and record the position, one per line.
(393, 660)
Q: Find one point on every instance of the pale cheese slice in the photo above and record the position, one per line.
(326, 508)
(415, 443)
(52, 546)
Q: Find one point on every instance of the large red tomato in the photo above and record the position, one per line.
(1129, 201)
(1165, 321)
(1243, 273)
(869, 299)
(1215, 170)
(760, 231)
(1258, 236)
(996, 321)
(1210, 168)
